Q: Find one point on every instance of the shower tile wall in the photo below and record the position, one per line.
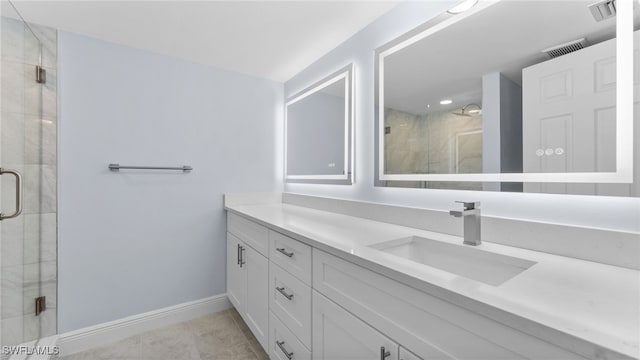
(28, 125)
(419, 144)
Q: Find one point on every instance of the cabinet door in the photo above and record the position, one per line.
(338, 335)
(236, 276)
(257, 302)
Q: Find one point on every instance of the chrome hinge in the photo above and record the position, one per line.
(41, 304)
(41, 75)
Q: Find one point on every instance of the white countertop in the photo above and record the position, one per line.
(595, 303)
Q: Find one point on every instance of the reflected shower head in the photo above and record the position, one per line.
(469, 110)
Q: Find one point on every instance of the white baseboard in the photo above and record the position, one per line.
(112, 331)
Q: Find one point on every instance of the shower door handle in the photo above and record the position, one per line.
(18, 193)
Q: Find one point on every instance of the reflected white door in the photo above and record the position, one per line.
(569, 118)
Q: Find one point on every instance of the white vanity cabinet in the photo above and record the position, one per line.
(304, 303)
(248, 274)
(428, 326)
(337, 334)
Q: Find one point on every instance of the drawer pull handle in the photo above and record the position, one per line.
(242, 262)
(281, 290)
(384, 353)
(283, 251)
(238, 254)
(280, 344)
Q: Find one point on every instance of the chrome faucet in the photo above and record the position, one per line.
(471, 214)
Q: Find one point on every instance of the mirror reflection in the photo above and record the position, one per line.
(516, 87)
(318, 131)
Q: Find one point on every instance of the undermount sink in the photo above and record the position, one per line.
(489, 268)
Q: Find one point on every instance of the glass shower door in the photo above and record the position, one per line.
(28, 148)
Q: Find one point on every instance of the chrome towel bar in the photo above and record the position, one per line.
(116, 167)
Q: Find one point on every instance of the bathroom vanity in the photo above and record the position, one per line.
(312, 283)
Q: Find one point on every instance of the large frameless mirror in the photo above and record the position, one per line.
(513, 95)
(319, 131)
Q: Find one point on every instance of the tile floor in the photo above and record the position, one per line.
(219, 336)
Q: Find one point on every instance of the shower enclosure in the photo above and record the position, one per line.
(28, 230)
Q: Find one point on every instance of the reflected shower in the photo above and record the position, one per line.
(469, 110)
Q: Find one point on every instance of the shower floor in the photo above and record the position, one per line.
(219, 336)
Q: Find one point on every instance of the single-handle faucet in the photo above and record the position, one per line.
(471, 214)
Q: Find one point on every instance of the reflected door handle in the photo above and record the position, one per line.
(18, 210)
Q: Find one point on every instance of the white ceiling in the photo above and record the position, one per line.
(267, 39)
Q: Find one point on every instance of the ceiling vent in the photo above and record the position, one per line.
(603, 9)
(565, 48)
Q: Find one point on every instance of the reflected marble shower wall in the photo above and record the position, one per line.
(28, 125)
(434, 143)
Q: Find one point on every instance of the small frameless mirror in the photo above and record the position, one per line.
(319, 131)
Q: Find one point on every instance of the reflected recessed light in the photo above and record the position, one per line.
(462, 7)
(445, 102)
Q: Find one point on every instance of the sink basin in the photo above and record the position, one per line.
(489, 268)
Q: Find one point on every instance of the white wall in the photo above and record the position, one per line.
(135, 241)
(605, 212)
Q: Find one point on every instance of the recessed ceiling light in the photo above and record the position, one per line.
(462, 7)
(445, 102)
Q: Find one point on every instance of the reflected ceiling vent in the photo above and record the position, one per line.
(565, 48)
(603, 9)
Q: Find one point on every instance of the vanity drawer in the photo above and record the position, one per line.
(429, 326)
(282, 339)
(253, 234)
(290, 301)
(405, 354)
(291, 255)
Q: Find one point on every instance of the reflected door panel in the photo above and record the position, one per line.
(568, 98)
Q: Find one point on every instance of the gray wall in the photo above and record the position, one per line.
(136, 241)
(605, 212)
(502, 128)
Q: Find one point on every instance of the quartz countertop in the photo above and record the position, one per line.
(583, 306)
